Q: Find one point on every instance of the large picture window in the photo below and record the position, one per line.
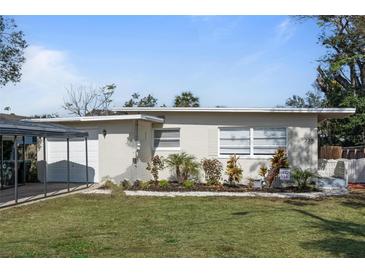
(166, 139)
(251, 141)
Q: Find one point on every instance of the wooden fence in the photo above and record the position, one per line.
(338, 152)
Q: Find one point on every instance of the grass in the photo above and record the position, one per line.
(119, 226)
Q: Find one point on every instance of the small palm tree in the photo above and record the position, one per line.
(183, 164)
(186, 99)
(302, 177)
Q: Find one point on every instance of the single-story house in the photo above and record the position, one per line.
(120, 146)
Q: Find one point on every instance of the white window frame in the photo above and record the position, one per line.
(251, 155)
(165, 148)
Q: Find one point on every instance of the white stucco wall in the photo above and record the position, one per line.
(199, 136)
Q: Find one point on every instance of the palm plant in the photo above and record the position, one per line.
(302, 177)
(183, 164)
(186, 99)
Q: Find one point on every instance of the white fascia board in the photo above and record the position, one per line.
(149, 118)
(239, 110)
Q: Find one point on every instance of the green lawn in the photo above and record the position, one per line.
(119, 226)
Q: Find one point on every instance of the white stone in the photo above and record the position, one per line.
(310, 195)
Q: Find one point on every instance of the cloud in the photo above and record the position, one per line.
(285, 30)
(46, 74)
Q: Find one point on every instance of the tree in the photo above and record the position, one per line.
(86, 101)
(147, 101)
(186, 99)
(311, 100)
(341, 77)
(12, 45)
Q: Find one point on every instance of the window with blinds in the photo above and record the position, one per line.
(234, 141)
(166, 139)
(267, 140)
(251, 141)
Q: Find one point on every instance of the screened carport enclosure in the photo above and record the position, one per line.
(24, 161)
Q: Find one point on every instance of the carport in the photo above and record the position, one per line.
(19, 191)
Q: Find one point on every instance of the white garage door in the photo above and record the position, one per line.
(57, 156)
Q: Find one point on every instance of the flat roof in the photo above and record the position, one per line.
(323, 113)
(22, 128)
(148, 118)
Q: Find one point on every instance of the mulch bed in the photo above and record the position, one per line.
(173, 186)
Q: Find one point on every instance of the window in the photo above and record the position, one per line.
(251, 141)
(166, 139)
(267, 140)
(234, 141)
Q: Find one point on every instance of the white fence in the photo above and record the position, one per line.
(352, 170)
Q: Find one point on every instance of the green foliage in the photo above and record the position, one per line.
(186, 99)
(12, 45)
(188, 184)
(302, 177)
(144, 184)
(213, 169)
(136, 101)
(184, 165)
(155, 166)
(278, 160)
(311, 100)
(163, 183)
(234, 170)
(341, 78)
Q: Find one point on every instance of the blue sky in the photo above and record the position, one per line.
(236, 61)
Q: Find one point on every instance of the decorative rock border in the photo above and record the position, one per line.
(287, 195)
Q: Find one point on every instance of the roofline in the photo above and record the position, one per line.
(100, 118)
(239, 110)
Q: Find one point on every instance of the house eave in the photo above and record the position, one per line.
(142, 117)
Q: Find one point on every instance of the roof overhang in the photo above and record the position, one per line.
(28, 128)
(148, 118)
(323, 113)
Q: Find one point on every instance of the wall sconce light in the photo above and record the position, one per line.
(104, 132)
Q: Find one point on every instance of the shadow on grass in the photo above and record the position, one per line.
(355, 200)
(299, 202)
(338, 245)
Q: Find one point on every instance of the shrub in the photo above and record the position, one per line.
(126, 184)
(213, 171)
(144, 184)
(251, 183)
(302, 177)
(155, 166)
(233, 170)
(163, 183)
(188, 184)
(184, 165)
(278, 160)
(263, 171)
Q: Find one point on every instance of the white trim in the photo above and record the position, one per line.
(166, 148)
(248, 110)
(101, 118)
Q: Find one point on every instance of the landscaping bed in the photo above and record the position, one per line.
(172, 186)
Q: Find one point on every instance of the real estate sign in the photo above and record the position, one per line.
(284, 174)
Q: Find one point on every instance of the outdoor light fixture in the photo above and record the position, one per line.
(104, 132)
